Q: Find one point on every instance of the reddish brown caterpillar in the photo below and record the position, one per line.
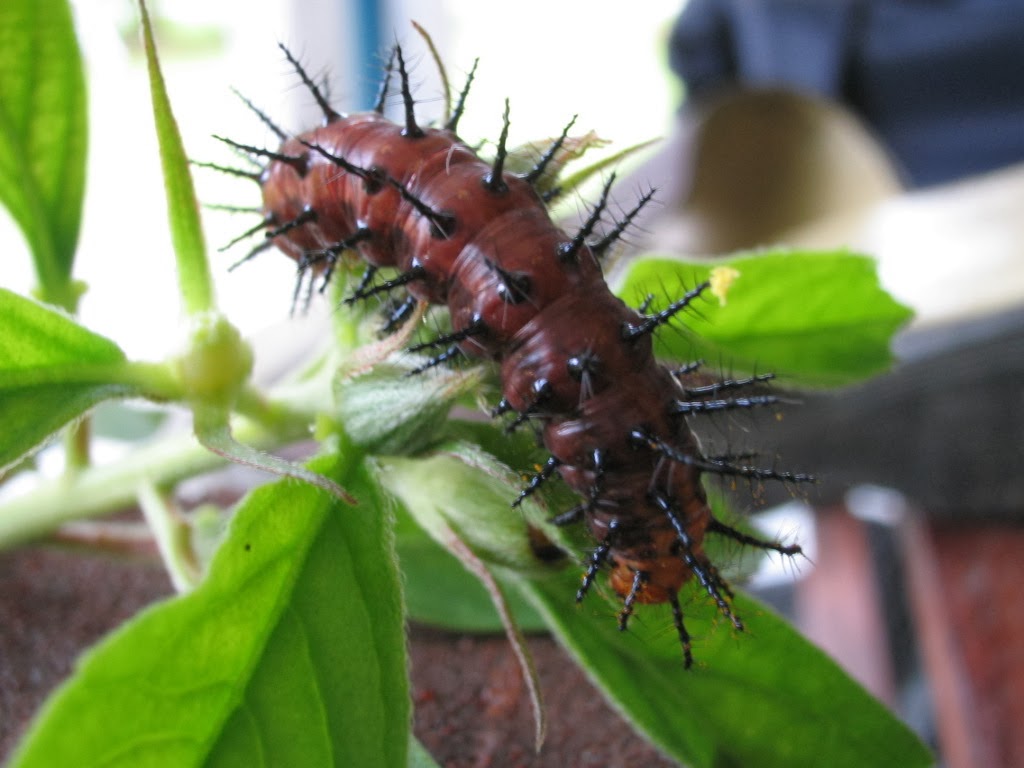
(575, 360)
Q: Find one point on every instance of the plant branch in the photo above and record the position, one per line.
(103, 489)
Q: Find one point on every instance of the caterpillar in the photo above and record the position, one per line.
(575, 361)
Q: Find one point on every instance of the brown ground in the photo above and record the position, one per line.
(471, 708)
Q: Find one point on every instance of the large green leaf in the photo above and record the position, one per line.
(291, 652)
(52, 370)
(43, 137)
(766, 697)
(818, 318)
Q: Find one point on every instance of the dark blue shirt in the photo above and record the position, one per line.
(941, 82)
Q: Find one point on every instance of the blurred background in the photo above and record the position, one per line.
(889, 128)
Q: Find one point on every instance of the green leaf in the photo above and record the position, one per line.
(292, 652)
(388, 411)
(465, 489)
(464, 521)
(439, 591)
(766, 697)
(194, 279)
(43, 120)
(819, 318)
(52, 370)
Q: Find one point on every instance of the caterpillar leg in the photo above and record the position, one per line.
(699, 566)
(684, 636)
(639, 579)
(597, 559)
(717, 526)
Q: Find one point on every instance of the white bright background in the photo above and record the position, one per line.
(551, 59)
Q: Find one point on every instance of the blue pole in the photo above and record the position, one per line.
(368, 44)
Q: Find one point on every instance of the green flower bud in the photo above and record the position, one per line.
(217, 363)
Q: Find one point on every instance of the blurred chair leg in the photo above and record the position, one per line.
(965, 590)
(838, 606)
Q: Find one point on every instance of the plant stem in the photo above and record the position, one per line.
(214, 431)
(171, 535)
(77, 444)
(103, 489)
(271, 414)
